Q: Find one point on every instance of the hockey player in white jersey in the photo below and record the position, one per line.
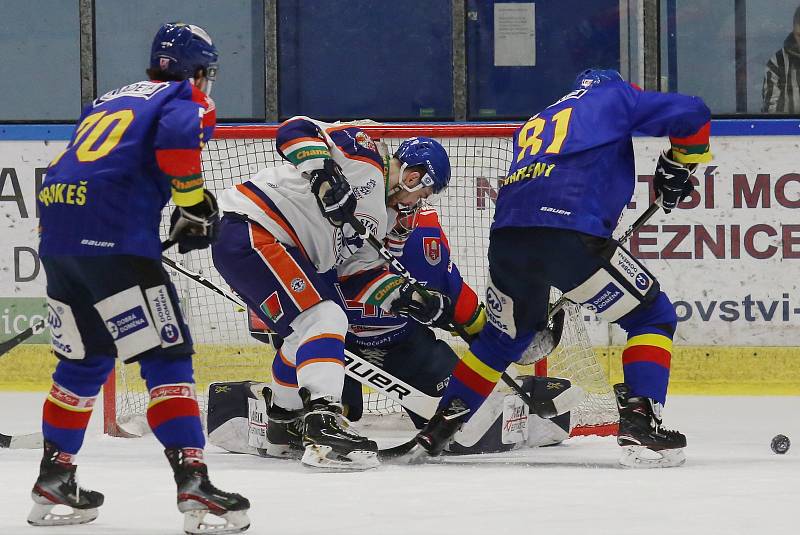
(287, 225)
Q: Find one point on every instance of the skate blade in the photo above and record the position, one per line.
(323, 457)
(280, 451)
(194, 522)
(42, 515)
(642, 457)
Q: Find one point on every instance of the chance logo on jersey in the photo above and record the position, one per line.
(433, 250)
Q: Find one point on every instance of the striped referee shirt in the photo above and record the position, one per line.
(781, 91)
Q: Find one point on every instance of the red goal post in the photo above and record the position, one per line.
(480, 155)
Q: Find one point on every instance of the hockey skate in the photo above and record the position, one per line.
(284, 431)
(197, 497)
(329, 442)
(645, 443)
(56, 486)
(439, 431)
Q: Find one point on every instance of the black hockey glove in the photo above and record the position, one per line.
(434, 309)
(672, 180)
(334, 196)
(195, 227)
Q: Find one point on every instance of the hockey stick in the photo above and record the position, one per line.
(639, 223)
(27, 442)
(354, 366)
(11, 343)
(542, 409)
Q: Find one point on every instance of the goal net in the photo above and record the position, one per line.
(479, 156)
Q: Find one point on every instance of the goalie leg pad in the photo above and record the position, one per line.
(237, 416)
(503, 422)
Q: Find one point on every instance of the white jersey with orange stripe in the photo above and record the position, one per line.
(280, 198)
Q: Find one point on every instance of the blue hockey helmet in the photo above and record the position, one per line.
(594, 77)
(429, 153)
(180, 49)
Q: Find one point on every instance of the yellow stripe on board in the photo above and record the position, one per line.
(695, 370)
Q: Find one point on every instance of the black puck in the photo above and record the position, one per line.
(780, 444)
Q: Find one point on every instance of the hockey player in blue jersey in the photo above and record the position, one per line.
(572, 173)
(108, 295)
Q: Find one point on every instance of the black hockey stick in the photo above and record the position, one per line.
(544, 409)
(356, 367)
(11, 343)
(28, 442)
(639, 223)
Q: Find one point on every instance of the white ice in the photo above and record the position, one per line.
(731, 484)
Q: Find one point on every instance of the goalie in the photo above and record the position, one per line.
(406, 349)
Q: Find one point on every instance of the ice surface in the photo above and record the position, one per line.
(732, 483)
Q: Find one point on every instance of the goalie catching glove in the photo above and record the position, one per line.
(672, 180)
(334, 196)
(433, 309)
(195, 227)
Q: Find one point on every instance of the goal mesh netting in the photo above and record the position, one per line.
(479, 155)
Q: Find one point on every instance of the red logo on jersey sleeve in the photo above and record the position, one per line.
(433, 250)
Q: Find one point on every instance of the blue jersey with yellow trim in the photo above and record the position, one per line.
(573, 163)
(132, 146)
(426, 254)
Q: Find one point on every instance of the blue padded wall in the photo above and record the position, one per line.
(570, 35)
(339, 59)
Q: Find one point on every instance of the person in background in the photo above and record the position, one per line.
(781, 90)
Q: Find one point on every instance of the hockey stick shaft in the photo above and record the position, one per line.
(384, 253)
(30, 441)
(356, 367)
(639, 223)
(11, 343)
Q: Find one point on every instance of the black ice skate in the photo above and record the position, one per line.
(56, 485)
(645, 443)
(197, 497)
(284, 431)
(329, 442)
(439, 430)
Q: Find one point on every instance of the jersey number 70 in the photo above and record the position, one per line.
(92, 129)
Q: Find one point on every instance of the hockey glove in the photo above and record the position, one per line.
(334, 196)
(672, 181)
(195, 227)
(433, 309)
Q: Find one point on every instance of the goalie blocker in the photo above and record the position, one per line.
(237, 419)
